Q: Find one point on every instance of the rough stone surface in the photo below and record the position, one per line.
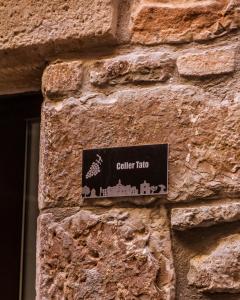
(20, 78)
(105, 86)
(191, 244)
(208, 63)
(167, 21)
(204, 216)
(32, 32)
(204, 150)
(219, 270)
(62, 79)
(154, 67)
(27, 23)
(120, 254)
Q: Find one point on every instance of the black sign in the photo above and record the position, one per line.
(125, 171)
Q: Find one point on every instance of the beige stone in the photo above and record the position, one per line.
(207, 63)
(204, 216)
(153, 67)
(35, 23)
(120, 254)
(20, 78)
(32, 32)
(219, 270)
(167, 21)
(204, 150)
(62, 79)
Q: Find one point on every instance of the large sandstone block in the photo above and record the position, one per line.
(35, 23)
(120, 254)
(34, 31)
(204, 150)
(174, 21)
(219, 270)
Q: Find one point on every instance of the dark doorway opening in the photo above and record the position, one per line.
(17, 116)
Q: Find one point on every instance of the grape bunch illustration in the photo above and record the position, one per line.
(93, 171)
(95, 167)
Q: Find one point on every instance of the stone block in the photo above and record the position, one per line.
(204, 216)
(62, 79)
(36, 23)
(207, 63)
(167, 21)
(204, 150)
(119, 254)
(32, 32)
(154, 67)
(219, 270)
(20, 78)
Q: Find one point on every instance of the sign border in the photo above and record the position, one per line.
(128, 196)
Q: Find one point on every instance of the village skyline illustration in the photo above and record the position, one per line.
(120, 189)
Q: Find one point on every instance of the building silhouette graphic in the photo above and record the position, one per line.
(124, 190)
(118, 190)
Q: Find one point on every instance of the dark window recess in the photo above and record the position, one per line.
(19, 131)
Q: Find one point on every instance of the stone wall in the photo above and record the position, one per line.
(131, 73)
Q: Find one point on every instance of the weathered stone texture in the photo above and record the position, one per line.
(154, 67)
(34, 31)
(62, 79)
(167, 21)
(101, 93)
(204, 216)
(27, 23)
(207, 63)
(120, 254)
(204, 150)
(219, 270)
(20, 78)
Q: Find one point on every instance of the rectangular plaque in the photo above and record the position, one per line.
(125, 171)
